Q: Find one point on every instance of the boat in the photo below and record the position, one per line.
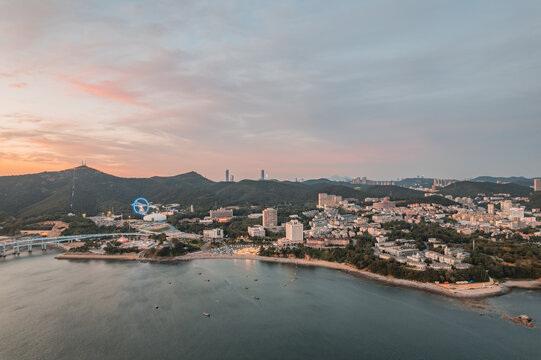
(206, 314)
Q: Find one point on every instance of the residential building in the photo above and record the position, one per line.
(256, 231)
(221, 213)
(384, 204)
(213, 234)
(294, 234)
(537, 185)
(326, 200)
(322, 242)
(506, 205)
(294, 231)
(270, 217)
(516, 213)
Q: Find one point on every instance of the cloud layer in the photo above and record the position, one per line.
(382, 89)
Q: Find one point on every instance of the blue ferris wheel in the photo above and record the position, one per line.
(141, 206)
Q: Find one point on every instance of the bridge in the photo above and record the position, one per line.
(17, 244)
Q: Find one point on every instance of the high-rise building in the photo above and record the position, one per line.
(227, 175)
(262, 175)
(506, 206)
(537, 185)
(490, 209)
(516, 213)
(232, 178)
(270, 217)
(294, 234)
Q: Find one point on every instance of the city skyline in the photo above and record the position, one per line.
(300, 90)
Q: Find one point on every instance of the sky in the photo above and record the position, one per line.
(302, 89)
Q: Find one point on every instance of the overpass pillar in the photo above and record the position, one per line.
(29, 248)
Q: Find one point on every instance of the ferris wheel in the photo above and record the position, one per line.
(141, 206)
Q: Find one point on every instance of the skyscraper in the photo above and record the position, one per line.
(262, 175)
(270, 217)
(506, 206)
(227, 175)
(294, 232)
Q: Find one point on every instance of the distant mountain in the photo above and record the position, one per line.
(326, 181)
(94, 191)
(472, 188)
(415, 182)
(340, 178)
(520, 180)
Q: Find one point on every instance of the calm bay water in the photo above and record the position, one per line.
(58, 309)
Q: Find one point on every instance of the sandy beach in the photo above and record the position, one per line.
(524, 284)
(89, 256)
(466, 291)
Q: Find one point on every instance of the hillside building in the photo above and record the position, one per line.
(326, 200)
(221, 213)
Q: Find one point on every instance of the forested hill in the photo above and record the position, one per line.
(520, 180)
(95, 191)
(472, 188)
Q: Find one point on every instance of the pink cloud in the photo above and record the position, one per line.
(108, 90)
(18, 85)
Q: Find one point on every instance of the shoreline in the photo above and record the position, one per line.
(481, 290)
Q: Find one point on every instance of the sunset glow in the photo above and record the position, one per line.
(142, 89)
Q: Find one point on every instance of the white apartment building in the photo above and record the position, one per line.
(294, 234)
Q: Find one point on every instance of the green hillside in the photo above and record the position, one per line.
(50, 193)
(520, 180)
(535, 200)
(472, 188)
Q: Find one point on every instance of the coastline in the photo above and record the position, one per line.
(123, 257)
(481, 290)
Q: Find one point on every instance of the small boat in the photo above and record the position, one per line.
(206, 314)
(199, 273)
(207, 280)
(155, 306)
(255, 279)
(246, 288)
(255, 297)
